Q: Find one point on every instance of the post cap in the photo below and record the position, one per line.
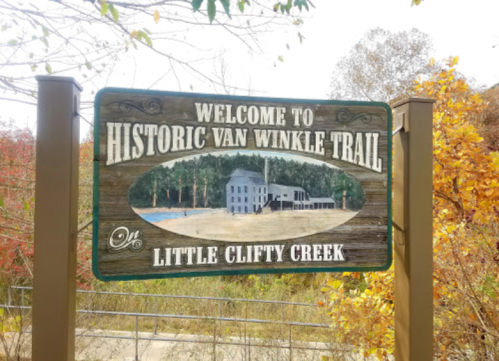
(413, 100)
(64, 79)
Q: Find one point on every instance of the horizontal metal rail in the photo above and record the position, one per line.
(172, 339)
(186, 297)
(213, 318)
(187, 317)
(212, 340)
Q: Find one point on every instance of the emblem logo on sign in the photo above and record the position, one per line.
(122, 239)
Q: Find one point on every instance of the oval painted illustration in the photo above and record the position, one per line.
(242, 196)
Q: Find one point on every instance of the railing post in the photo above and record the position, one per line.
(249, 348)
(214, 340)
(22, 302)
(56, 219)
(282, 319)
(220, 314)
(9, 297)
(136, 338)
(413, 241)
(156, 318)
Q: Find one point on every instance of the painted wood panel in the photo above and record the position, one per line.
(163, 161)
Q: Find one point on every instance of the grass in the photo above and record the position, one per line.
(300, 288)
(247, 287)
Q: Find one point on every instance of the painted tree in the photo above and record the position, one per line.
(156, 176)
(466, 242)
(167, 180)
(207, 175)
(179, 175)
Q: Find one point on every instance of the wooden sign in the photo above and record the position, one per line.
(195, 184)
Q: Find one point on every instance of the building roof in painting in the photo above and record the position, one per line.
(255, 177)
(287, 188)
(322, 200)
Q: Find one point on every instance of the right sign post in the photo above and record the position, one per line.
(412, 220)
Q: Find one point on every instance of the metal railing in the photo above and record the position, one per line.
(215, 340)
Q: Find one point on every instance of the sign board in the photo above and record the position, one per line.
(195, 184)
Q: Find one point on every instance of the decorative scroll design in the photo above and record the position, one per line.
(345, 116)
(122, 239)
(150, 106)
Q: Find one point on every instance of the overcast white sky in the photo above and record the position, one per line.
(465, 28)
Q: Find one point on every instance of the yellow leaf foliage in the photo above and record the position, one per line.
(466, 241)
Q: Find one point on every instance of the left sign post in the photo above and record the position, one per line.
(56, 219)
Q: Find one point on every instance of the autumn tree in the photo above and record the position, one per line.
(17, 166)
(466, 242)
(17, 199)
(490, 120)
(382, 66)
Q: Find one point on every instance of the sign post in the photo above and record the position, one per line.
(413, 148)
(56, 219)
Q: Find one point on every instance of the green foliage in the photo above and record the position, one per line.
(196, 4)
(240, 4)
(45, 31)
(143, 35)
(114, 12)
(212, 9)
(283, 8)
(104, 8)
(210, 174)
(226, 5)
(286, 7)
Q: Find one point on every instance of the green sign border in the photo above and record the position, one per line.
(95, 222)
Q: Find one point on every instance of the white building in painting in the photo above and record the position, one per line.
(246, 191)
(288, 197)
(249, 192)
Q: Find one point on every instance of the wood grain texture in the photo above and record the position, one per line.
(365, 236)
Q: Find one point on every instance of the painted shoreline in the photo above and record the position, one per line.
(221, 225)
(165, 209)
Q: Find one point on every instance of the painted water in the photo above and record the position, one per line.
(161, 216)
